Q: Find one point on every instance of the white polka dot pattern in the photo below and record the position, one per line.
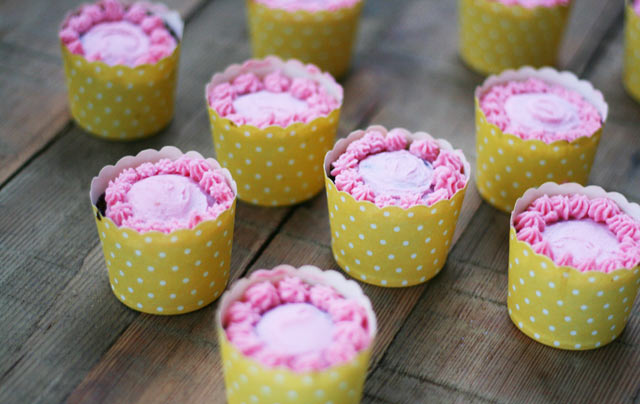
(632, 53)
(563, 307)
(324, 38)
(274, 166)
(391, 247)
(121, 102)
(507, 165)
(495, 37)
(174, 273)
(247, 381)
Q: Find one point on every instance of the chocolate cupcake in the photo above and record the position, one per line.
(574, 260)
(121, 65)
(165, 220)
(302, 335)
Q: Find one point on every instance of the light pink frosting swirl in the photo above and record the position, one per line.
(636, 7)
(533, 109)
(308, 5)
(168, 195)
(381, 170)
(274, 99)
(109, 32)
(296, 325)
(534, 3)
(587, 234)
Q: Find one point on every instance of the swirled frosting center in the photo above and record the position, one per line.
(396, 173)
(265, 103)
(116, 42)
(583, 239)
(296, 328)
(542, 111)
(167, 197)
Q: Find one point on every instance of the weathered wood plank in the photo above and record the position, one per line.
(32, 89)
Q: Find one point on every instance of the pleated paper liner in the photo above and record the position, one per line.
(164, 273)
(248, 381)
(275, 166)
(507, 165)
(324, 38)
(495, 37)
(390, 246)
(561, 306)
(632, 52)
(122, 102)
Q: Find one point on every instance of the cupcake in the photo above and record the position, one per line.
(574, 256)
(272, 122)
(295, 335)
(165, 220)
(321, 32)
(121, 65)
(394, 199)
(632, 49)
(496, 35)
(533, 126)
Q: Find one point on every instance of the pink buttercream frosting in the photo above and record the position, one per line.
(587, 234)
(296, 325)
(533, 109)
(274, 99)
(637, 7)
(117, 35)
(309, 5)
(168, 195)
(381, 170)
(534, 3)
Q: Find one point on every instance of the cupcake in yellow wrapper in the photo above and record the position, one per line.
(324, 38)
(391, 246)
(507, 164)
(248, 380)
(277, 165)
(561, 306)
(632, 52)
(164, 272)
(495, 37)
(121, 102)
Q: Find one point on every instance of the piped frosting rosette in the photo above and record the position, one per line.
(387, 240)
(508, 164)
(632, 50)
(276, 162)
(323, 36)
(565, 301)
(248, 379)
(495, 36)
(170, 268)
(122, 101)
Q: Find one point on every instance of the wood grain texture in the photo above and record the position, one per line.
(67, 339)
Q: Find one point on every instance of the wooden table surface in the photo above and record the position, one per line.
(64, 337)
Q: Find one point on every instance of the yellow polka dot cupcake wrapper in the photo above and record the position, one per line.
(508, 165)
(324, 38)
(275, 166)
(561, 306)
(390, 246)
(122, 102)
(632, 52)
(248, 381)
(164, 273)
(495, 37)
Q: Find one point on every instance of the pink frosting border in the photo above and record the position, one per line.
(108, 173)
(168, 17)
(342, 145)
(534, 3)
(551, 76)
(331, 5)
(292, 68)
(312, 275)
(601, 211)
